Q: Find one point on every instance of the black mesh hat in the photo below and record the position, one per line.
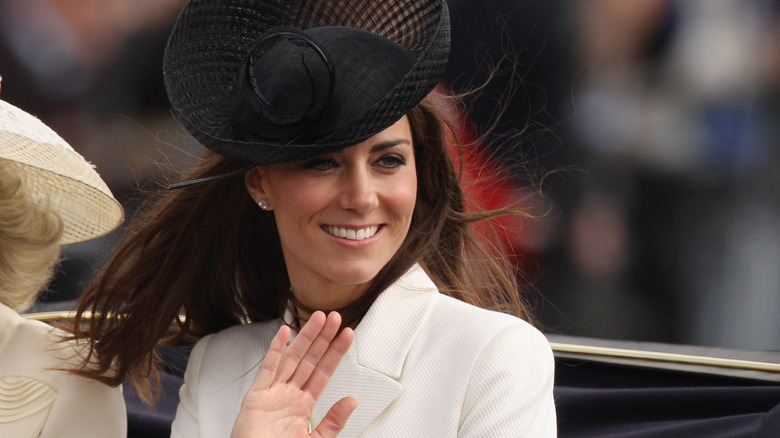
(274, 81)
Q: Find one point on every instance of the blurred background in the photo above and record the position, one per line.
(642, 134)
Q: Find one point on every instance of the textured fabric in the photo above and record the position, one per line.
(37, 400)
(422, 364)
(22, 397)
(215, 42)
(58, 176)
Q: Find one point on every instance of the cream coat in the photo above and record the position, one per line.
(36, 400)
(422, 365)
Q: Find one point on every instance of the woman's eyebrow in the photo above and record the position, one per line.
(389, 143)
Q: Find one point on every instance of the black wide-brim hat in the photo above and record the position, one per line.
(274, 81)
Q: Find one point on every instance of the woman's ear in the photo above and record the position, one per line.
(253, 179)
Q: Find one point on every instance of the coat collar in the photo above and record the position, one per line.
(373, 365)
(384, 336)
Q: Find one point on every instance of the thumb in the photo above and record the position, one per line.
(336, 418)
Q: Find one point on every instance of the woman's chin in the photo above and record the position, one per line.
(355, 276)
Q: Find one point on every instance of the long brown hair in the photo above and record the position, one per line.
(206, 258)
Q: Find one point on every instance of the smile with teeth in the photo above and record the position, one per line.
(350, 234)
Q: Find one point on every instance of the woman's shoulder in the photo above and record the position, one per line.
(32, 330)
(25, 378)
(42, 347)
(474, 324)
(243, 332)
(236, 347)
(415, 290)
(470, 314)
(414, 302)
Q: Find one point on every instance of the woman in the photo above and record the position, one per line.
(49, 196)
(327, 188)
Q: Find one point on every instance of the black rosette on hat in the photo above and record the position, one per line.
(274, 81)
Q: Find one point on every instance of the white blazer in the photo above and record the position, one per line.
(39, 401)
(422, 365)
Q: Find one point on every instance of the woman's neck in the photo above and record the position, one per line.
(304, 304)
(326, 298)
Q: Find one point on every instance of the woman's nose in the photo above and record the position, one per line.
(358, 192)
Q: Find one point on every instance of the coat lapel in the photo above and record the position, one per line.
(371, 369)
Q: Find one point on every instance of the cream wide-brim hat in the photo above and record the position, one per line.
(58, 177)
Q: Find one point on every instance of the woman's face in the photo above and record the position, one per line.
(341, 216)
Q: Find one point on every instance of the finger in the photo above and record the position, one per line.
(295, 352)
(317, 349)
(329, 362)
(336, 418)
(271, 360)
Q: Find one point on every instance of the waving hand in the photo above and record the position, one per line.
(291, 378)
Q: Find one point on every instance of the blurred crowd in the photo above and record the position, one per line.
(652, 124)
(646, 130)
(677, 106)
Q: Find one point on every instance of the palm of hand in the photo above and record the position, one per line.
(291, 379)
(281, 411)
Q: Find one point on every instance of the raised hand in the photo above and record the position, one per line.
(281, 400)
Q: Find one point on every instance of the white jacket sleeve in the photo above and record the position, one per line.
(510, 392)
(185, 424)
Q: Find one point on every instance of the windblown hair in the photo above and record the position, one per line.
(207, 258)
(29, 240)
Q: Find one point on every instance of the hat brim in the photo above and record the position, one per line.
(58, 177)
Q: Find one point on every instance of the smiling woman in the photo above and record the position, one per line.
(341, 216)
(326, 208)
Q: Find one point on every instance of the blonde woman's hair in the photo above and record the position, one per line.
(29, 240)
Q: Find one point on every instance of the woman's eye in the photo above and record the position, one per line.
(320, 164)
(391, 161)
